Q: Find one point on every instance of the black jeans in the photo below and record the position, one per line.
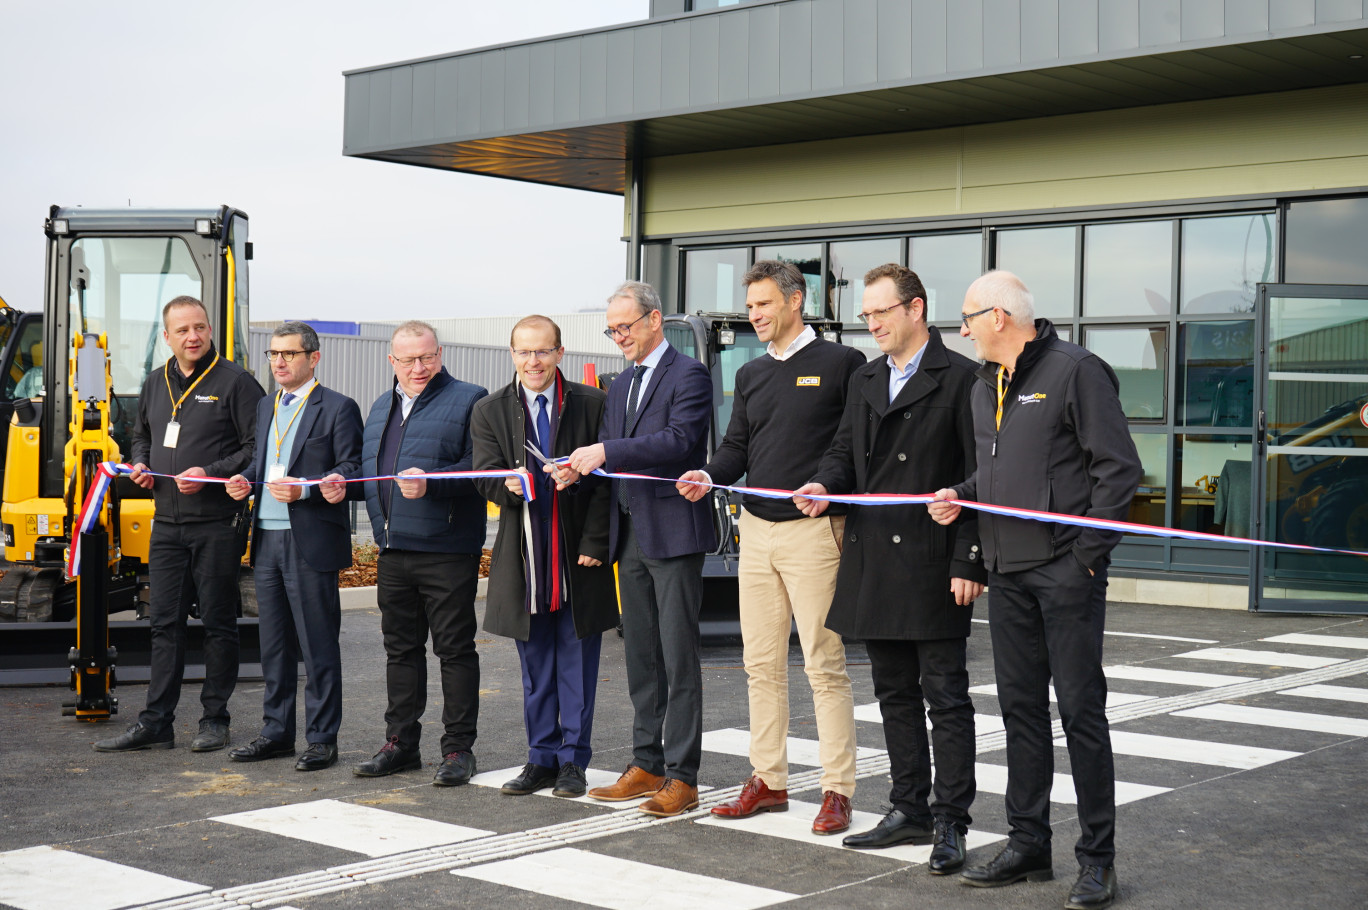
(914, 679)
(1047, 623)
(196, 560)
(420, 592)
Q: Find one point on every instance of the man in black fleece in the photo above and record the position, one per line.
(1050, 436)
(196, 418)
(786, 408)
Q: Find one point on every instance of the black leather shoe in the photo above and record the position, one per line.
(897, 827)
(947, 851)
(1095, 888)
(570, 783)
(1009, 867)
(389, 760)
(456, 769)
(138, 737)
(261, 749)
(317, 757)
(534, 777)
(212, 736)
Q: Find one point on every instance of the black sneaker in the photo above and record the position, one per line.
(570, 782)
(212, 736)
(138, 737)
(456, 769)
(534, 777)
(389, 760)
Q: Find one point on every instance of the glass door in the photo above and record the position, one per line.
(1312, 465)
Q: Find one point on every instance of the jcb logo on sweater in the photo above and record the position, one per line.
(809, 380)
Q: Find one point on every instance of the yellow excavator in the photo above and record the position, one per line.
(109, 273)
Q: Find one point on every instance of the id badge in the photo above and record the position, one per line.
(274, 472)
(172, 435)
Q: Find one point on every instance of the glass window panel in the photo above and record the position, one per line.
(1327, 241)
(1139, 356)
(947, 264)
(1216, 374)
(958, 343)
(1046, 259)
(1213, 484)
(850, 260)
(1065, 332)
(808, 258)
(712, 281)
(1223, 260)
(1128, 268)
(863, 342)
(1150, 497)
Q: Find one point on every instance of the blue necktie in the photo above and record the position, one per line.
(543, 426)
(287, 398)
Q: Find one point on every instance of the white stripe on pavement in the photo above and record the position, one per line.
(42, 878)
(1335, 693)
(731, 741)
(620, 884)
(983, 723)
(993, 779)
(1113, 698)
(1270, 658)
(1321, 641)
(1272, 717)
(1146, 673)
(1196, 751)
(346, 826)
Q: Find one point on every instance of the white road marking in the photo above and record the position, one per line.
(993, 779)
(983, 723)
(347, 826)
(1270, 658)
(1334, 693)
(1322, 641)
(796, 824)
(1272, 717)
(1113, 698)
(1172, 748)
(620, 884)
(1195, 641)
(731, 741)
(44, 878)
(1146, 673)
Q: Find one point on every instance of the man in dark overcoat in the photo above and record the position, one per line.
(550, 585)
(906, 585)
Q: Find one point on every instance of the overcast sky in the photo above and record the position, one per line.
(176, 104)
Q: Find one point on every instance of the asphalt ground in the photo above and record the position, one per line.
(1284, 828)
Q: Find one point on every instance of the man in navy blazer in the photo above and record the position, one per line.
(656, 422)
(300, 543)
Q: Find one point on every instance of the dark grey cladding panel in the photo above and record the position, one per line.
(820, 58)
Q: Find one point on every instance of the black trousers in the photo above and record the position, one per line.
(1047, 623)
(420, 593)
(301, 617)
(661, 600)
(914, 680)
(190, 561)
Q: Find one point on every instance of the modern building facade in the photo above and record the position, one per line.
(1182, 183)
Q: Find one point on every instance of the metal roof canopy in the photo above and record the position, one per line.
(571, 110)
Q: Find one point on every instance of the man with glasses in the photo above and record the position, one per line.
(300, 541)
(196, 417)
(785, 410)
(1051, 435)
(655, 422)
(906, 586)
(550, 584)
(430, 534)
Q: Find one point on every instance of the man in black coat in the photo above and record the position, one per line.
(300, 542)
(1051, 436)
(906, 586)
(550, 585)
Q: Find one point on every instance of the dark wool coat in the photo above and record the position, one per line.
(499, 435)
(896, 566)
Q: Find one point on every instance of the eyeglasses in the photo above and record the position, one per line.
(880, 314)
(542, 353)
(426, 360)
(286, 356)
(965, 317)
(616, 331)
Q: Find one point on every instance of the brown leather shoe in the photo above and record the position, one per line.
(672, 799)
(633, 783)
(834, 816)
(755, 797)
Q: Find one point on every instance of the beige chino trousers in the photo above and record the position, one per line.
(788, 572)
